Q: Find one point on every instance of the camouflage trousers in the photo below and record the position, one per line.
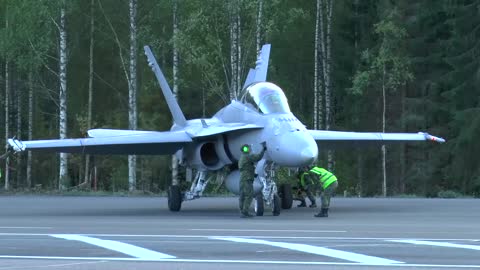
(302, 193)
(327, 194)
(246, 196)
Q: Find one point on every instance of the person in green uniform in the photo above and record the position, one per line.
(246, 165)
(328, 183)
(306, 185)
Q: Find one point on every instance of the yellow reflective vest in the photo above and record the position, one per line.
(305, 180)
(325, 177)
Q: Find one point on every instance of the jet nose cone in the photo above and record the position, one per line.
(294, 149)
(308, 155)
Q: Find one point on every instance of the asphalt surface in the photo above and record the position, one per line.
(43, 232)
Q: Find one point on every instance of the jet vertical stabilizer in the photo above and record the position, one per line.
(172, 103)
(259, 74)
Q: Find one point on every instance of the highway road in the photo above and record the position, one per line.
(65, 232)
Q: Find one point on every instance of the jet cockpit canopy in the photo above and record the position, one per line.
(267, 97)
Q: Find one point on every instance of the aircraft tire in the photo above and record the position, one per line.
(174, 198)
(276, 205)
(286, 196)
(259, 205)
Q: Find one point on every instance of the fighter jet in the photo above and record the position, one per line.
(261, 114)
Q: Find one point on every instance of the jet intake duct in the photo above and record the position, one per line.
(232, 182)
(208, 154)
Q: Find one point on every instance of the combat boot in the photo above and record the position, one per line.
(245, 215)
(313, 205)
(323, 213)
(303, 204)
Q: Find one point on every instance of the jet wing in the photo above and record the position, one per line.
(105, 132)
(219, 128)
(119, 142)
(332, 139)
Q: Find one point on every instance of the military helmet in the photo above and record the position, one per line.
(245, 148)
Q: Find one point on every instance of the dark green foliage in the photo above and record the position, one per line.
(431, 50)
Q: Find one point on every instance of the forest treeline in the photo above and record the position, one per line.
(360, 65)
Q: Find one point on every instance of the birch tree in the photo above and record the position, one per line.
(326, 51)
(259, 25)
(7, 104)
(322, 69)
(175, 82)
(63, 172)
(326, 60)
(387, 69)
(235, 48)
(18, 92)
(317, 94)
(30, 127)
(132, 92)
(90, 86)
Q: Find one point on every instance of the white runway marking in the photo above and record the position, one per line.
(138, 252)
(43, 228)
(241, 230)
(242, 236)
(349, 256)
(50, 265)
(237, 261)
(439, 244)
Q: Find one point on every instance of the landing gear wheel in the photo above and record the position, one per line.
(276, 205)
(174, 198)
(259, 206)
(286, 196)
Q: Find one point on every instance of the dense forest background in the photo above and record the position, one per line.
(421, 56)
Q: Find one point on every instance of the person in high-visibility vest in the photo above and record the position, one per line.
(328, 183)
(306, 186)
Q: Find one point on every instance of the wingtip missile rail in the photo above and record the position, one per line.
(432, 138)
(16, 145)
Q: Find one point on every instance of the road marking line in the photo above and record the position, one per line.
(44, 228)
(241, 236)
(235, 261)
(349, 256)
(439, 244)
(50, 265)
(240, 230)
(138, 252)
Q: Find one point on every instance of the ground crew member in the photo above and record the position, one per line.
(328, 182)
(246, 165)
(306, 185)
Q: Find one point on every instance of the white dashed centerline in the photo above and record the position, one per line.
(244, 230)
(438, 244)
(344, 255)
(131, 250)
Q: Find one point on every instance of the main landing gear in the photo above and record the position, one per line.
(259, 205)
(268, 196)
(175, 197)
